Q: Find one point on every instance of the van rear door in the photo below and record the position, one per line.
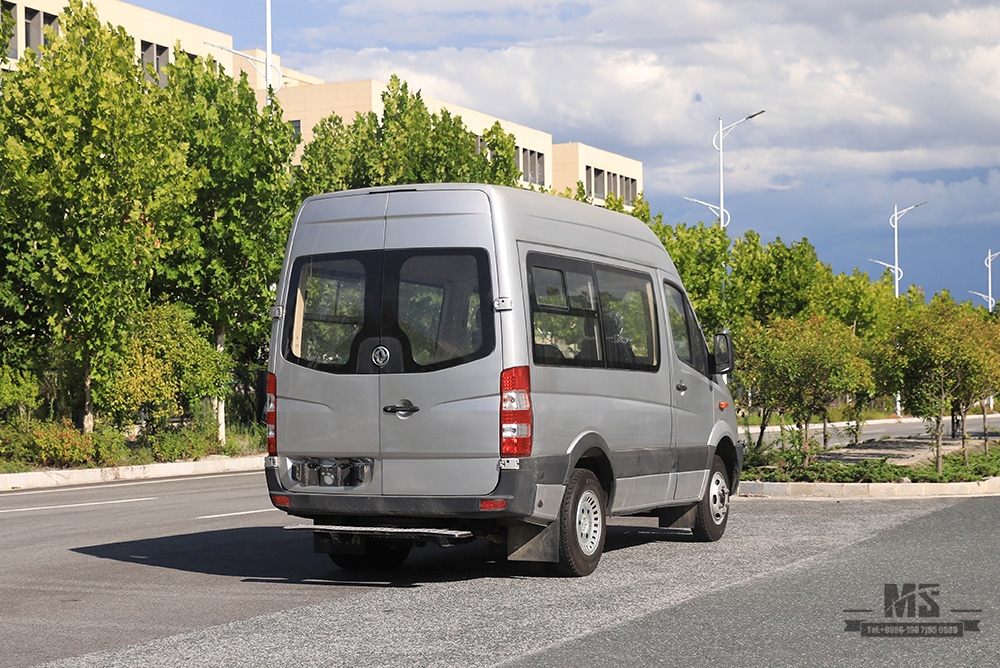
(438, 314)
(389, 372)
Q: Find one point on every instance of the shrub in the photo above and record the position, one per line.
(61, 445)
(166, 368)
(18, 392)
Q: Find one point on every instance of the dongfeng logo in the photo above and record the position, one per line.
(380, 356)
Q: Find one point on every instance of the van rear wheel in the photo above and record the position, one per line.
(713, 509)
(582, 525)
(378, 556)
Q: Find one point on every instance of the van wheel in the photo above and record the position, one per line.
(378, 556)
(713, 509)
(581, 525)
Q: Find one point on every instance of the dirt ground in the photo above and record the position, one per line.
(909, 450)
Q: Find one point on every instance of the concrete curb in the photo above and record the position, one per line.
(869, 490)
(819, 490)
(62, 477)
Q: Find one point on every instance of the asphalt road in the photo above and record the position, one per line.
(197, 572)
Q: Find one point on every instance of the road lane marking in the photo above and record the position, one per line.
(243, 512)
(77, 505)
(116, 483)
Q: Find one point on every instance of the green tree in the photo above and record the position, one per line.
(806, 364)
(407, 144)
(166, 367)
(87, 180)
(700, 253)
(771, 281)
(979, 378)
(936, 356)
(226, 249)
(18, 391)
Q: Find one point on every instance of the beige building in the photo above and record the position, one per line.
(307, 99)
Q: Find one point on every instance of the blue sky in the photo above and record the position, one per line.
(869, 104)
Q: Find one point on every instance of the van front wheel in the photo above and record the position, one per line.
(713, 509)
(582, 524)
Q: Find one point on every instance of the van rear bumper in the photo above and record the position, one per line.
(516, 487)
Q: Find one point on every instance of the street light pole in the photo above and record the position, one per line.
(717, 142)
(897, 272)
(990, 302)
(267, 49)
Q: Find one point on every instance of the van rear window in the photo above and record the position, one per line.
(424, 304)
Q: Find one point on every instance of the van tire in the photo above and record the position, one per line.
(582, 525)
(378, 556)
(713, 509)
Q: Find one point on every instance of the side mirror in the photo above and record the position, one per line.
(723, 357)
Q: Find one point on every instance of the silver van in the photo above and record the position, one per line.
(454, 362)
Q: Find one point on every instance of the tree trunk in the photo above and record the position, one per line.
(963, 412)
(88, 399)
(219, 403)
(986, 428)
(765, 416)
(937, 443)
(805, 442)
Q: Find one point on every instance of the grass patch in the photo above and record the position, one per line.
(773, 465)
(27, 445)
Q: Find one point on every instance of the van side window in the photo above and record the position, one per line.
(564, 312)
(590, 315)
(628, 317)
(689, 343)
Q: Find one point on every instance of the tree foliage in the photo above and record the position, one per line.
(406, 144)
(227, 246)
(166, 366)
(701, 254)
(87, 183)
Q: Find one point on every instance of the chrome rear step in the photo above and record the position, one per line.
(442, 536)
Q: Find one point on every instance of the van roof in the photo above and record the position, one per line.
(542, 218)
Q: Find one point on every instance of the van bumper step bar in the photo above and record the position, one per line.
(442, 536)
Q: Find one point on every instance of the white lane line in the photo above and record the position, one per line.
(244, 512)
(115, 483)
(77, 505)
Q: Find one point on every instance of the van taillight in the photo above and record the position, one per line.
(271, 414)
(515, 412)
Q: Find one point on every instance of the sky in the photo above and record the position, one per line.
(869, 104)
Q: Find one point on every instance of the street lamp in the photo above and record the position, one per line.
(894, 222)
(990, 302)
(717, 141)
(897, 272)
(266, 61)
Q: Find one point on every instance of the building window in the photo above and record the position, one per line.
(297, 129)
(629, 190)
(532, 166)
(600, 186)
(34, 23)
(157, 57)
(7, 14)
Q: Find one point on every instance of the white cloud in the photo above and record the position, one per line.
(867, 102)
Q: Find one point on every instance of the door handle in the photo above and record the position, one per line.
(400, 409)
(681, 387)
